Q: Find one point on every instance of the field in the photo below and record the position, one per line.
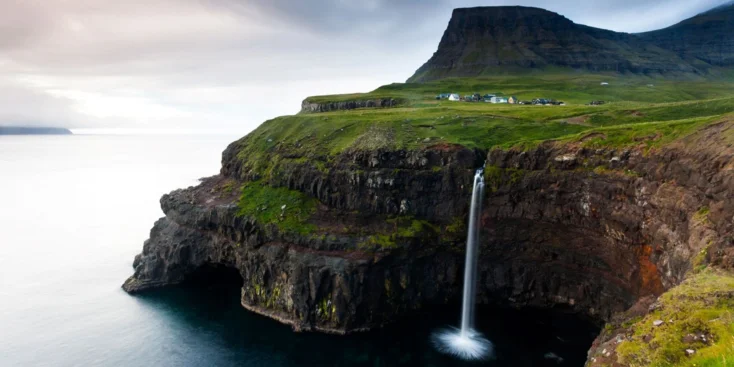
(573, 88)
(638, 111)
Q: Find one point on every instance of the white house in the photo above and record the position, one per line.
(496, 99)
(454, 97)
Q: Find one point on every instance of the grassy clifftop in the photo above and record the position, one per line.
(638, 111)
(569, 87)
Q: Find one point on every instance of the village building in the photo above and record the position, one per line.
(454, 97)
(512, 100)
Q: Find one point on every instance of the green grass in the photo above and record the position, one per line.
(701, 215)
(405, 229)
(636, 114)
(573, 88)
(266, 205)
(228, 187)
(703, 304)
(649, 134)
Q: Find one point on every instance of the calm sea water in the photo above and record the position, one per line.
(74, 210)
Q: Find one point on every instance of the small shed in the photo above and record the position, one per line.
(512, 100)
(454, 97)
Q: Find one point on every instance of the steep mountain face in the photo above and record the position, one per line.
(491, 40)
(703, 39)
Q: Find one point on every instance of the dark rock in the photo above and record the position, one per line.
(308, 106)
(552, 234)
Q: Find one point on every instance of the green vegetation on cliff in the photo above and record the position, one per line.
(639, 111)
(289, 210)
(695, 326)
(405, 229)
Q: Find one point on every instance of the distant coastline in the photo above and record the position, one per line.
(23, 130)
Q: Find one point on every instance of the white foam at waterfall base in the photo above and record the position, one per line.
(469, 345)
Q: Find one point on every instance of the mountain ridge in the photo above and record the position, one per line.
(703, 38)
(510, 39)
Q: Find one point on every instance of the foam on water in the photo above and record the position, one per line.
(469, 344)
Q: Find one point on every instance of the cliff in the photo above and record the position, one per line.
(309, 105)
(514, 39)
(385, 232)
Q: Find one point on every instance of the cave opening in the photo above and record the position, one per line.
(214, 277)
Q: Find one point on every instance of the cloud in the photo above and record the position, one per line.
(232, 63)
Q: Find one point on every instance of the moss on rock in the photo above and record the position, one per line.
(288, 210)
(691, 325)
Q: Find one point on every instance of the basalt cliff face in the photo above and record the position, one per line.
(510, 39)
(310, 106)
(591, 230)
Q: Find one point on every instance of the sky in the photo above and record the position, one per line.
(229, 65)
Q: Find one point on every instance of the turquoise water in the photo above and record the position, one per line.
(76, 209)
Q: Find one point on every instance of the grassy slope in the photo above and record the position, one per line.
(574, 88)
(289, 210)
(668, 110)
(701, 305)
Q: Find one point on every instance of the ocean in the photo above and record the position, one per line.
(75, 210)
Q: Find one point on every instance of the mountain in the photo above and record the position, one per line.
(510, 39)
(23, 130)
(703, 39)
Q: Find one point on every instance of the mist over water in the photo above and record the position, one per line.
(75, 211)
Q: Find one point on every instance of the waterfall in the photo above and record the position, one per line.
(466, 342)
(470, 267)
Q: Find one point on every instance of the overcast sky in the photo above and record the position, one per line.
(231, 64)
